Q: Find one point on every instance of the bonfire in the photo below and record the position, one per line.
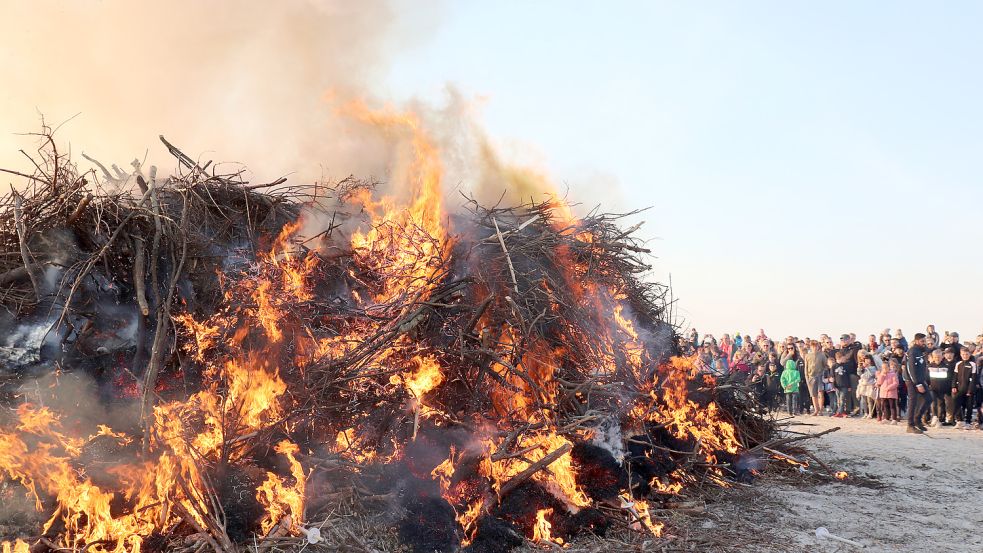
(196, 363)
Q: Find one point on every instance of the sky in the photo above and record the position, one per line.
(809, 167)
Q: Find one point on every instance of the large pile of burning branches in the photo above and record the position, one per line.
(196, 363)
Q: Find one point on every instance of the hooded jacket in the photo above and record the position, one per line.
(791, 377)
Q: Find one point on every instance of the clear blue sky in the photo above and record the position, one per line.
(813, 166)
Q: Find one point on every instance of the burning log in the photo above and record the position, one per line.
(506, 371)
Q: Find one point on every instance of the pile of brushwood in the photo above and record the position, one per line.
(552, 350)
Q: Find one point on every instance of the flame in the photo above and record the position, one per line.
(469, 519)
(542, 530)
(205, 335)
(425, 378)
(280, 499)
(841, 475)
(17, 547)
(640, 510)
(404, 243)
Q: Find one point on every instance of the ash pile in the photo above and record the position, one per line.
(196, 363)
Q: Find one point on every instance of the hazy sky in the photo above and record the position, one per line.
(811, 166)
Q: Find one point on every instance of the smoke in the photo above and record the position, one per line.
(260, 84)
(245, 81)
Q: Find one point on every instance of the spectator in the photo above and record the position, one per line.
(830, 386)
(964, 388)
(727, 346)
(917, 381)
(867, 389)
(939, 383)
(773, 379)
(759, 386)
(815, 369)
(887, 387)
(931, 334)
(872, 344)
(790, 385)
(901, 339)
(846, 358)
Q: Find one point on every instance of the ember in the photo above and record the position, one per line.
(485, 376)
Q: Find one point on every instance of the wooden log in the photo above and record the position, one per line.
(140, 275)
(539, 465)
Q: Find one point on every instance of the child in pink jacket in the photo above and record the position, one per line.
(887, 385)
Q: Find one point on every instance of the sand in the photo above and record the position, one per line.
(930, 495)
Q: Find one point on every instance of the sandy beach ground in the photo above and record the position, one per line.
(909, 492)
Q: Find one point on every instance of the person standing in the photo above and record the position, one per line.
(887, 386)
(931, 334)
(846, 358)
(964, 388)
(916, 380)
(815, 362)
(790, 384)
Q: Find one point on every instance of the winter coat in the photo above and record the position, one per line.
(791, 377)
(887, 384)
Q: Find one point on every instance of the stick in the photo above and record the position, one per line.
(533, 469)
(140, 275)
(478, 313)
(25, 255)
(507, 256)
(79, 210)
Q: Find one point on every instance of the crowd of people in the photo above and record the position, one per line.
(932, 381)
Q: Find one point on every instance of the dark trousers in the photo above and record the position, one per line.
(964, 403)
(888, 409)
(918, 403)
(854, 382)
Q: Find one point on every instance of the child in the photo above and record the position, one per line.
(939, 385)
(887, 386)
(773, 380)
(828, 385)
(963, 388)
(841, 380)
(949, 400)
(759, 385)
(867, 389)
(790, 384)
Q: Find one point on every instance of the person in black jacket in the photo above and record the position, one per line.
(948, 400)
(846, 361)
(964, 388)
(916, 380)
